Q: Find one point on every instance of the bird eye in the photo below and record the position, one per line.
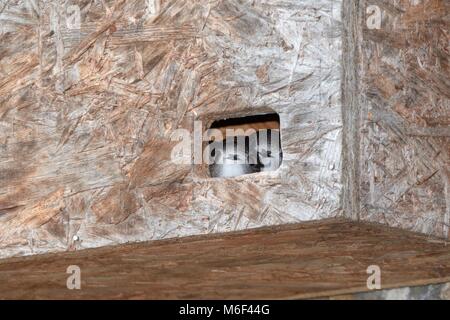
(266, 153)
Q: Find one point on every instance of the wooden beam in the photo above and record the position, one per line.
(310, 260)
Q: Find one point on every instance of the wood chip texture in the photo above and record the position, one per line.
(404, 145)
(87, 112)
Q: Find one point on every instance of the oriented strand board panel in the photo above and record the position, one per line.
(310, 260)
(405, 127)
(91, 92)
(396, 115)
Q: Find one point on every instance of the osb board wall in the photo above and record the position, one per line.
(86, 117)
(404, 122)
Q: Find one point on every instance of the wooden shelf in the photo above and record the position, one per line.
(309, 260)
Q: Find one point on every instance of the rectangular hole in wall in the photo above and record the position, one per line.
(245, 145)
